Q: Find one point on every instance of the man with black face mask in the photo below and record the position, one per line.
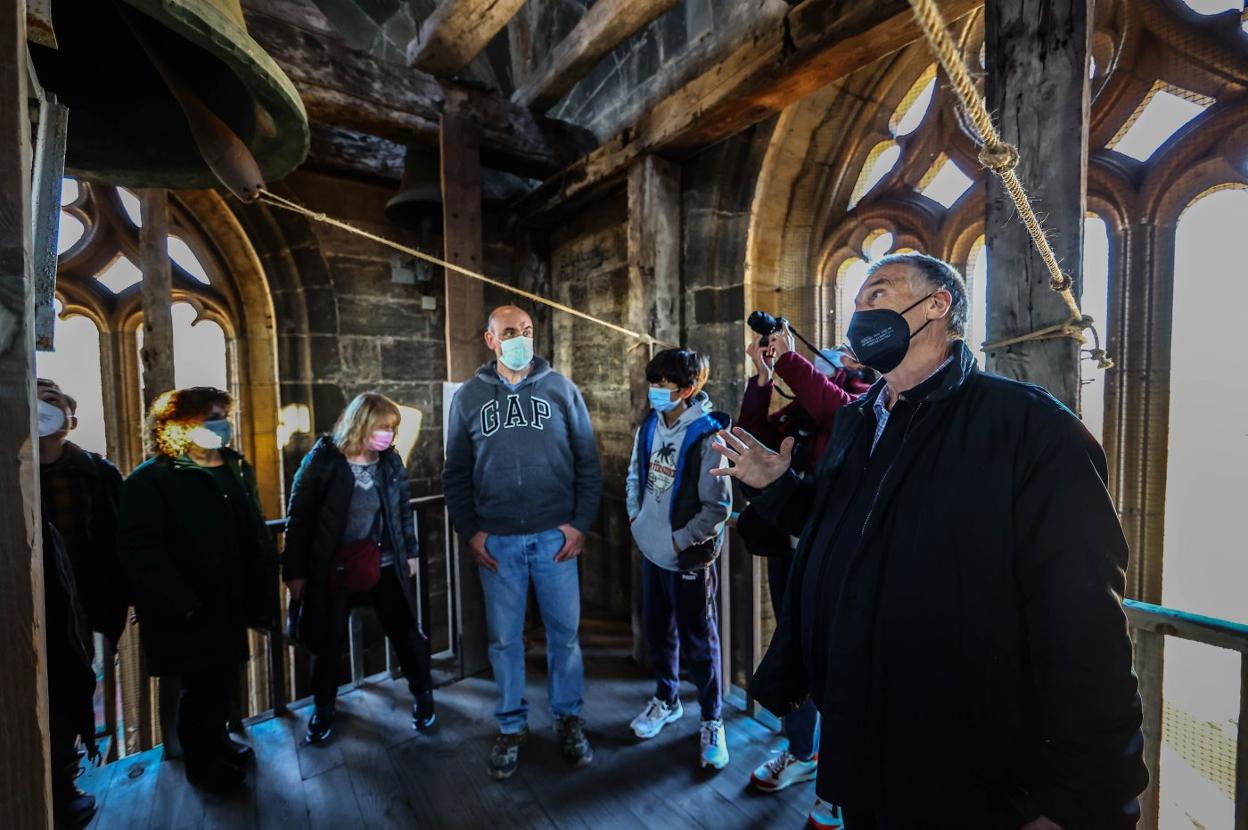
(955, 605)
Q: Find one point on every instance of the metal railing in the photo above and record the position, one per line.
(280, 653)
(138, 710)
(1151, 624)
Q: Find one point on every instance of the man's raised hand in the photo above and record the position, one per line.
(752, 463)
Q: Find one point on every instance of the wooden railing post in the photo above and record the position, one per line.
(1241, 748)
(1149, 666)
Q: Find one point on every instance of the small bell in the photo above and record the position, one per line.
(418, 204)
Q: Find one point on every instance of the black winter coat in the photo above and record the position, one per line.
(320, 497)
(88, 528)
(71, 679)
(194, 590)
(998, 676)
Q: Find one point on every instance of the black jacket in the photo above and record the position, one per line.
(71, 679)
(88, 527)
(198, 580)
(998, 673)
(320, 497)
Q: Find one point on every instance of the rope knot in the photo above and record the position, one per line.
(1061, 282)
(999, 157)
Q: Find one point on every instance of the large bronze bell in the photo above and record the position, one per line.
(144, 79)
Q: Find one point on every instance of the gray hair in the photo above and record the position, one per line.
(936, 275)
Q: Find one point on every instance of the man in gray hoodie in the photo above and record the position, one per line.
(522, 484)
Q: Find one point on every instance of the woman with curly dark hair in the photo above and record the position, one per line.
(202, 567)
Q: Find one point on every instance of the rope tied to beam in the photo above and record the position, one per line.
(268, 197)
(1002, 158)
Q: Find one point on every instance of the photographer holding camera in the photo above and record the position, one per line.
(819, 391)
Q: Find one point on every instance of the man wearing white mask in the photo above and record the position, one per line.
(81, 494)
(522, 484)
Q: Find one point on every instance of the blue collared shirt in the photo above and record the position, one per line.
(882, 412)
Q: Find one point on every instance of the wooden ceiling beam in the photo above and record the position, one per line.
(605, 25)
(351, 90)
(811, 45)
(456, 33)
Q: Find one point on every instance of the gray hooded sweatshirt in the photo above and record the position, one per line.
(649, 502)
(520, 460)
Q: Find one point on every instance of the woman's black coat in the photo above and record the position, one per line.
(320, 497)
(195, 592)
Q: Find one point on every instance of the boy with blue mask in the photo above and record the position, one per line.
(677, 511)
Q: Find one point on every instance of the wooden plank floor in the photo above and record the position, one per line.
(377, 772)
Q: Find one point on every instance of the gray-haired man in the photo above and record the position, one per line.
(955, 604)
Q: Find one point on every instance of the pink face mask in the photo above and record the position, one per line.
(380, 440)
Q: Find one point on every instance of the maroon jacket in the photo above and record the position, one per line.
(816, 393)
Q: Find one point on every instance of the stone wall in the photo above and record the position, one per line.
(589, 271)
(345, 327)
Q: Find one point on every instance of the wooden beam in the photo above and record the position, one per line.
(346, 151)
(352, 90)
(46, 204)
(653, 298)
(465, 351)
(156, 291)
(810, 46)
(456, 33)
(1037, 84)
(25, 789)
(461, 222)
(605, 25)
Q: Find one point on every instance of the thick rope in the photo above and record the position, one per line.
(1002, 158)
(271, 198)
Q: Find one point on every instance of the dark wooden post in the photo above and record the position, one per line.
(25, 790)
(461, 215)
(1037, 62)
(156, 292)
(653, 297)
(157, 295)
(460, 140)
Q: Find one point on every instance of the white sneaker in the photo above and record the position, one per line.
(823, 816)
(783, 771)
(714, 745)
(655, 716)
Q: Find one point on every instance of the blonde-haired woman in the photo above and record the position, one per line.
(351, 540)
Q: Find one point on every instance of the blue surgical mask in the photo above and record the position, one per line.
(220, 427)
(517, 353)
(833, 356)
(661, 399)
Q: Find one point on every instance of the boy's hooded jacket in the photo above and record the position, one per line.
(520, 460)
(676, 502)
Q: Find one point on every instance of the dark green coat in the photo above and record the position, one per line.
(195, 590)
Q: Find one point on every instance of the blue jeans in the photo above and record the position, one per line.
(521, 559)
(801, 727)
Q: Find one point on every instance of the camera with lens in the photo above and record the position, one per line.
(765, 325)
